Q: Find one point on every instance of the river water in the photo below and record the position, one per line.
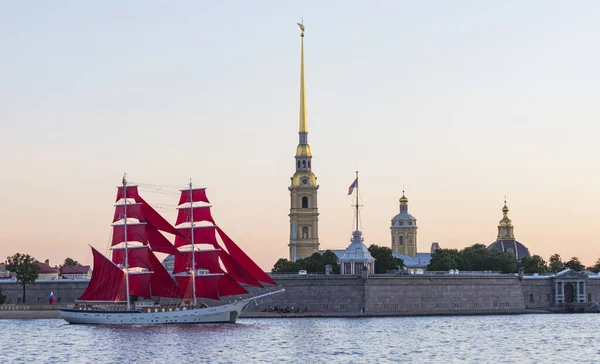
(461, 339)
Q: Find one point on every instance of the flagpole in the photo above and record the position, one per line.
(357, 201)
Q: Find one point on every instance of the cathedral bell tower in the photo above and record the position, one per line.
(304, 214)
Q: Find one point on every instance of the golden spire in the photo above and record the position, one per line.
(303, 126)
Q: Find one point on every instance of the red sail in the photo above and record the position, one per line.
(202, 235)
(135, 232)
(132, 192)
(154, 218)
(198, 195)
(138, 257)
(207, 259)
(229, 287)
(134, 211)
(207, 286)
(158, 242)
(161, 281)
(139, 284)
(107, 283)
(200, 213)
(240, 257)
(236, 271)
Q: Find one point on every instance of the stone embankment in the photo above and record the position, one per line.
(29, 311)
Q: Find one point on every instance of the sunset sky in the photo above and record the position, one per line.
(461, 102)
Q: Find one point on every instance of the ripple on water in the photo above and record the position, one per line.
(470, 339)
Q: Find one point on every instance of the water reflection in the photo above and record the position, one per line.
(473, 339)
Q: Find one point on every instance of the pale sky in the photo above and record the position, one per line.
(460, 101)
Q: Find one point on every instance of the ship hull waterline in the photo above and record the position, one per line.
(227, 313)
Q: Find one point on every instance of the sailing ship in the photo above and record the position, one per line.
(133, 287)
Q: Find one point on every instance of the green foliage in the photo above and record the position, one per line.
(384, 260)
(25, 269)
(2, 297)
(285, 266)
(533, 264)
(575, 264)
(314, 264)
(446, 259)
(556, 263)
(473, 258)
(71, 262)
(596, 267)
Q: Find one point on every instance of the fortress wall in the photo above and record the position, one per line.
(65, 291)
(541, 289)
(318, 293)
(444, 295)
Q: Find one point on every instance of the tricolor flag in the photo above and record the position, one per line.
(352, 186)
(52, 298)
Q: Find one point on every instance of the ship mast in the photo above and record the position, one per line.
(125, 235)
(193, 245)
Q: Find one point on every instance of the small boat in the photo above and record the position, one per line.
(135, 288)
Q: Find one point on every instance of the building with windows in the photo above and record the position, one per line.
(404, 231)
(75, 272)
(47, 271)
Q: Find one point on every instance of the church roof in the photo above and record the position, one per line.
(357, 250)
(420, 260)
(404, 216)
(510, 246)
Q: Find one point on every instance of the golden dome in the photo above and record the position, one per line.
(303, 150)
(299, 179)
(505, 220)
(403, 199)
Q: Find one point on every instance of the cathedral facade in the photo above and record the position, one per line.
(304, 212)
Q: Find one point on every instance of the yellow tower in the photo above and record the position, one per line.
(404, 230)
(304, 214)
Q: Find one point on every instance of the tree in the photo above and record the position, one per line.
(285, 266)
(71, 262)
(477, 258)
(384, 259)
(533, 264)
(330, 258)
(445, 259)
(504, 262)
(556, 263)
(25, 269)
(596, 267)
(575, 264)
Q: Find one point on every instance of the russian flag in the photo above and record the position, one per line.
(352, 186)
(52, 298)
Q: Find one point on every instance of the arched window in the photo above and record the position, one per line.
(305, 232)
(401, 240)
(298, 164)
(589, 297)
(531, 297)
(548, 297)
(309, 163)
(304, 202)
(303, 164)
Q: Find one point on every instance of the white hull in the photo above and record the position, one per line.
(218, 314)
